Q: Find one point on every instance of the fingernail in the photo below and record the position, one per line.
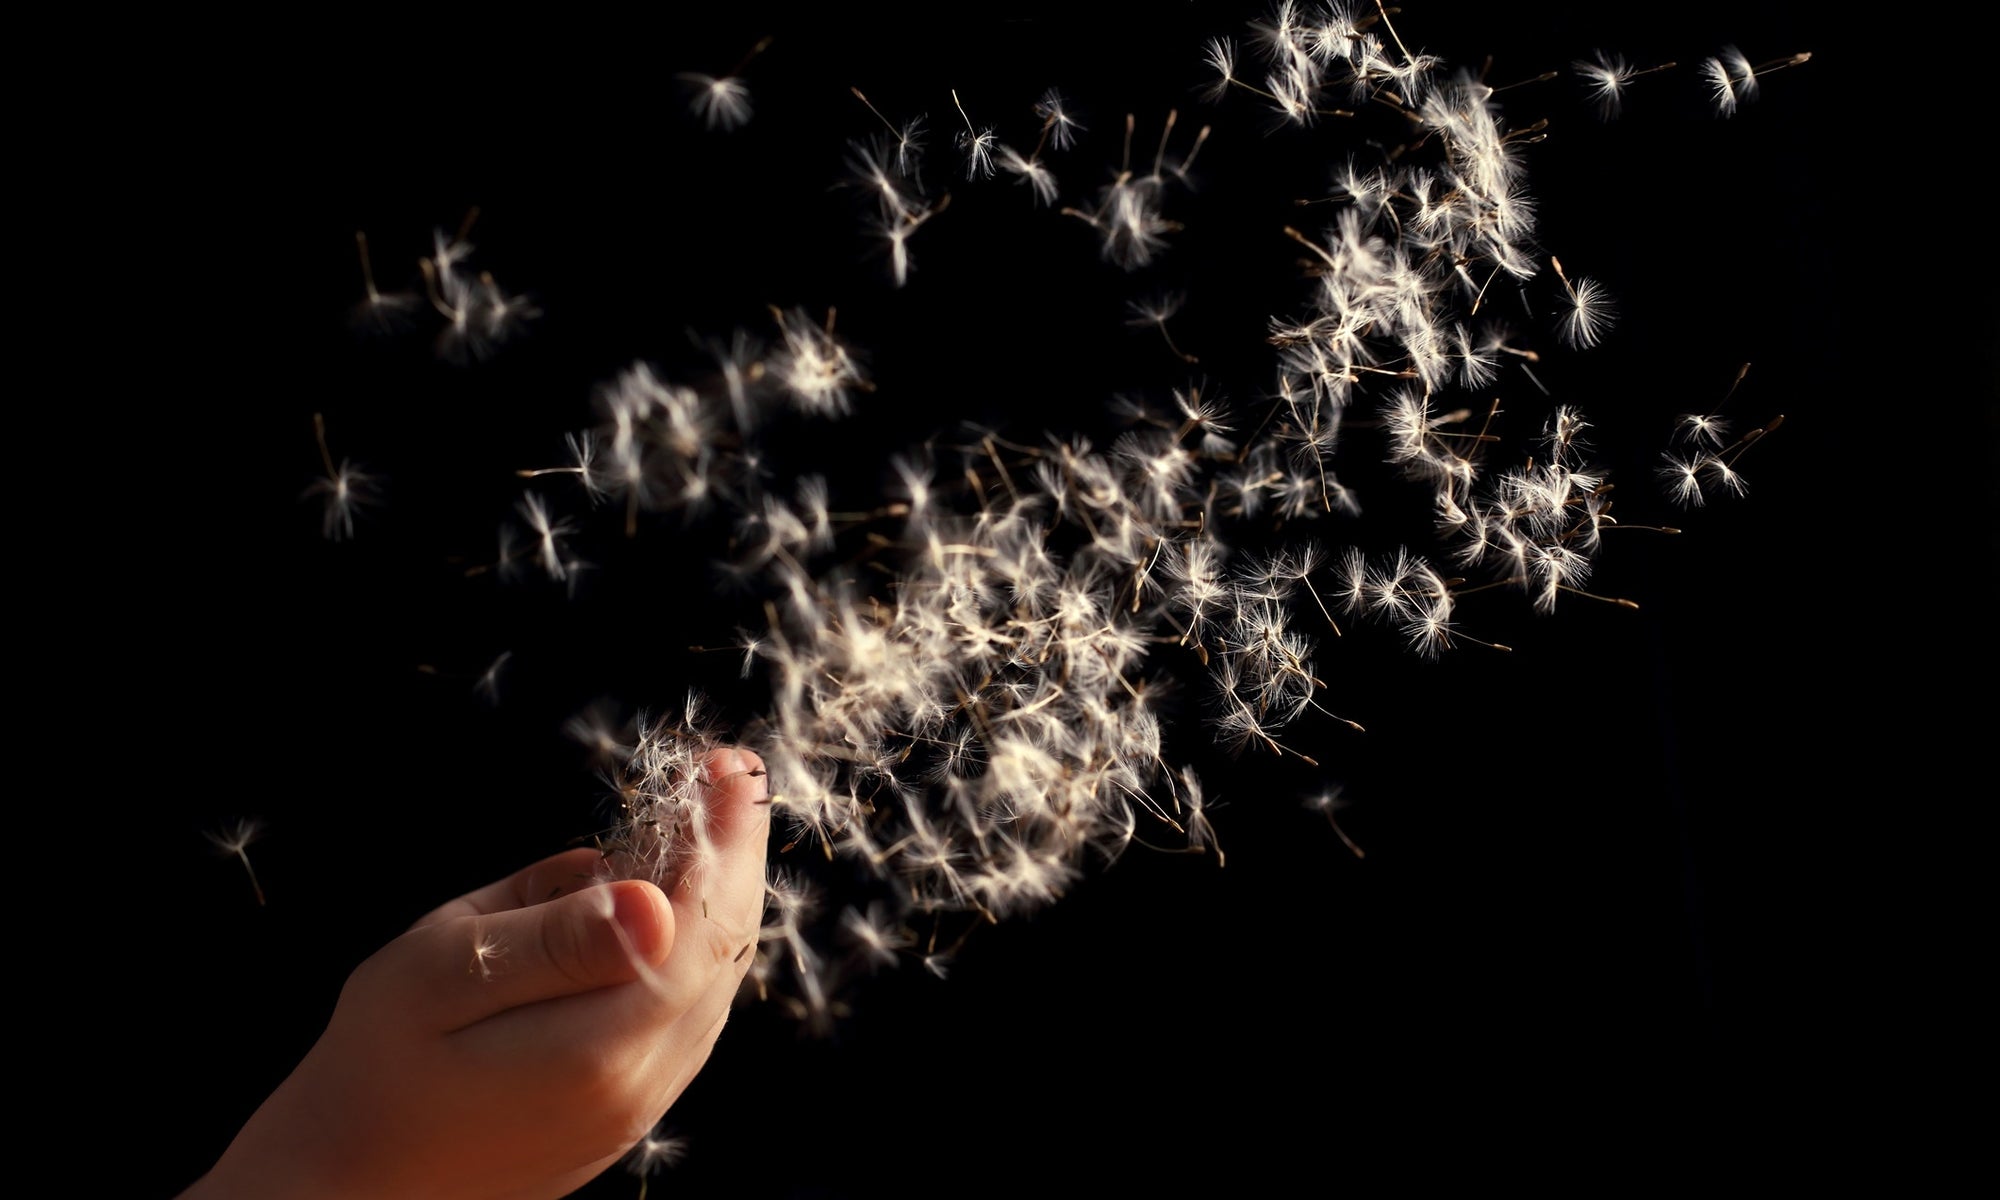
(722, 763)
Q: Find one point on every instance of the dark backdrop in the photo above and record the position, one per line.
(1644, 837)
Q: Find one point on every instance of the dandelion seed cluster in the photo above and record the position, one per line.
(966, 677)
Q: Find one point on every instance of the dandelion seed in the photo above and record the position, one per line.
(657, 1151)
(488, 686)
(1430, 632)
(504, 315)
(487, 949)
(1200, 832)
(549, 533)
(1326, 803)
(1709, 429)
(1589, 314)
(448, 252)
(814, 368)
(910, 147)
(908, 139)
(1058, 127)
(343, 491)
(1701, 429)
(721, 103)
(1220, 54)
(1029, 171)
(235, 840)
(977, 144)
(1717, 469)
(876, 937)
(1742, 76)
(379, 311)
(1722, 86)
(1156, 313)
(869, 163)
(1683, 479)
(1605, 78)
(594, 729)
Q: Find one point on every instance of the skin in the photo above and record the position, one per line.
(524, 1073)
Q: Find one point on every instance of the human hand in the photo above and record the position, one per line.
(518, 1040)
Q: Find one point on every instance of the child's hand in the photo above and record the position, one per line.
(512, 1044)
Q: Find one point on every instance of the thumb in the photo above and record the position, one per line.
(453, 973)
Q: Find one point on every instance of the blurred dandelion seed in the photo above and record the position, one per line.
(723, 101)
(487, 949)
(655, 1152)
(379, 311)
(488, 685)
(234, 839)
(343, 490)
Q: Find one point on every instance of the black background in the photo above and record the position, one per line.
(1634, 868)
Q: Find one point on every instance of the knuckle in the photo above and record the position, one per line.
(369, 980)
(591, 1080)
(609, 1094)
(565, 944)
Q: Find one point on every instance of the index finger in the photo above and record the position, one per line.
(538, 883)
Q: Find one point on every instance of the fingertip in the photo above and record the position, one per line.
(738, 779)
(727, 764)
(642, 911)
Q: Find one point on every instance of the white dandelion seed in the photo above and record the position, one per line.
(1058, 127)
(234, 840)
(1605, 77)
(487, 950)
(977, 144)
(1742, 76)
(343, 491)
(721, 103)
(1589, 313)
(1721, 86)
(655, 1152)
(550, 533)
(1682, 477)
(1031, 172)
